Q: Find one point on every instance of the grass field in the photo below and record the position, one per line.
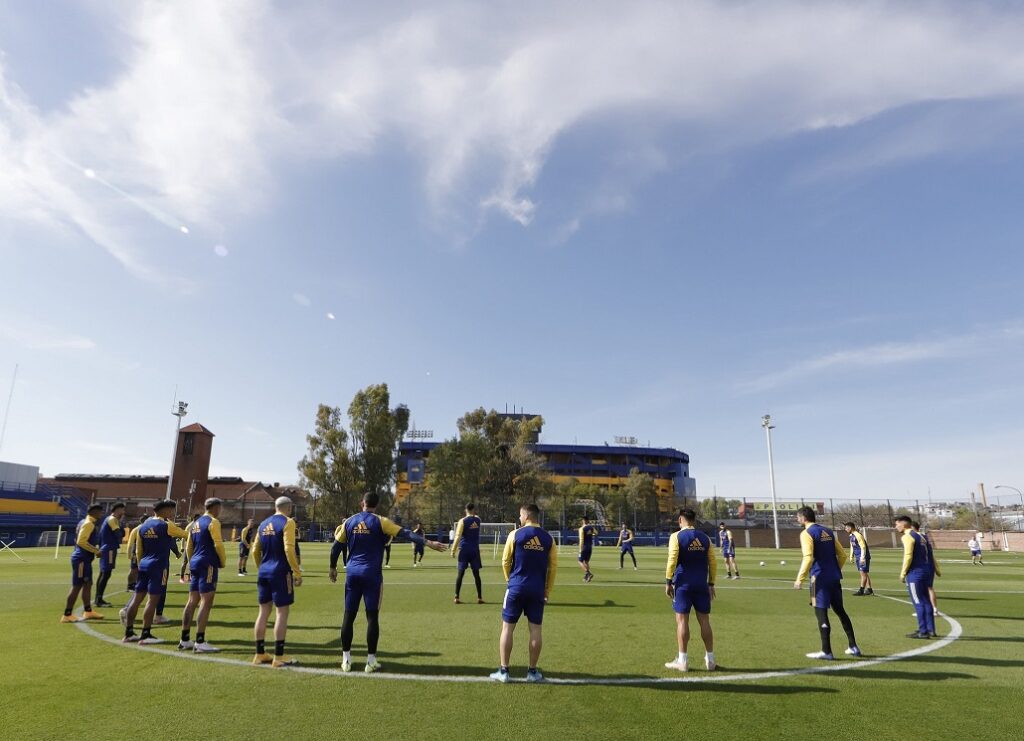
(56, 679)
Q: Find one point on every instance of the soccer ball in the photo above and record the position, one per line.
(762, 563)
(782, 563)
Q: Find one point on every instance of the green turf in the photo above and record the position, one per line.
(56, 678)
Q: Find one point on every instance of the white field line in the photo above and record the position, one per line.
(955, 632)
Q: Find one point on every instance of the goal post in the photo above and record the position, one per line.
(55, 538)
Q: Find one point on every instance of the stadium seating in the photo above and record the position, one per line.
(25, 514)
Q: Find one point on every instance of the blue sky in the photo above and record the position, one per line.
(647, 220)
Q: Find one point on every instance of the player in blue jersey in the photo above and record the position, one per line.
(273, 551)
(918, 573)
(861, 558)
(417, 548)
(206, 556)
(87, 547)
(529, 562)
(366, 534)
(690, 583)
(823, 559)
(153, 544)
(183, 573)
(587, 535)
(111, 535)
(728, 546)
(245, 539)
(466, 547)
(625, 544)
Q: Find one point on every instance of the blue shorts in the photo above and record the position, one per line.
(865, 566)
(826, 594)
(279, 589)
(470, 558)
(243, 550)
(417, 548)
(728, 553)
(975, 553)
(518, 603)
(627, 548)
(699, 598)
(204, 578)
(369, 588)
(585, 555)
(152, 580)
(108, 560)
(81, 572)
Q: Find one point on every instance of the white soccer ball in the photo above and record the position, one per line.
(782, 563)
(762, 563)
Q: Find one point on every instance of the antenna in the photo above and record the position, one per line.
(7, 410)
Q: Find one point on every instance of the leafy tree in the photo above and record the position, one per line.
(376, 431)
(328, 470)
(640, 492)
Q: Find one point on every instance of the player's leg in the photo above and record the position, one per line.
(69, 603)
(511, 610)
(202, 619)
(185, 643)
(919, 597)
(354, 588)
(681, 605)
(132, 608)
(821, 599)
(632, 556)
(106, 571)
(708, 637)
(373, 600)
(824, 630)
(458, 579)
(505, 644)
(735, 566)
(147, 619)
(281, 634)
(844, 618)
(622, 558)
(387, 556)
(476, 565)
(265, 599)
(728, 564)
(536, 643)
(88, 613)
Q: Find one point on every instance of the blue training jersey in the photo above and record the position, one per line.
(921, 563)
(691, 559)
(725, 539)
(87, 540)
(274, 547)
(529, 560)
(367, 534)
(587, 535)
(205, 544)
(467, 533)
(154, 542)
(111, 534)
(823, 555)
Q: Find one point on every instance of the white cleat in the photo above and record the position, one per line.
(710, 665)
(150, 641)
(372, 667)
(820, 655)
(499, 676)
(205, 648)
(123, 614)
(533, 676)
(130, 639)
(241, 574)
(679, 666)
(852, 651)
(161, 620)
(186, 645)
(346, 666)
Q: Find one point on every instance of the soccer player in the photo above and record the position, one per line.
(823, 559)
(974, 546)
(917, 570)
(586, 537)
(728, 546)
(387, 552)
(466, 545)
(153, 543)
(244, 546)
(273, 552)
(111, 535)
(184, 562)
(861, 557)
(625, 545)
(934, 569)
(529, 563)
(133, 563)
(417, 548)
(87, 547)
(204, 550)
(690, 583)
(366, 533)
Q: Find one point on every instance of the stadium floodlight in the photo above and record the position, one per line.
(180, 410)
(766, 422)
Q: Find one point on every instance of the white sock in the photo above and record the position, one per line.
(709, 656)
(346, 656)
(681, 658)
(371, 658)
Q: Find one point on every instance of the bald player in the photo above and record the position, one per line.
(273, 552)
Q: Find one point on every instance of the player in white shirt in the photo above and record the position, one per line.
(974, 546)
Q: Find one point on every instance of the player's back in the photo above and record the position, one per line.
(366, 539)
(155, 542)
(204, 548)
(111, 534)
(93, 539)
(826, 561)
(531, 551)
(693, 558)
(470, 533)
(273, 555)
(587, 533)
(921, 560)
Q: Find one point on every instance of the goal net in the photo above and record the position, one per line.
(53, 538)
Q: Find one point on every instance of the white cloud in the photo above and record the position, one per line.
(35, 336)
(301, 299)
(212, 96)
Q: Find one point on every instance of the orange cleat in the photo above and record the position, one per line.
(91, 615)
(69, 618)
(260, 659)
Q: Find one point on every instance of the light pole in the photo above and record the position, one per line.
(1019, 494)
(179, 411)
(766, 422)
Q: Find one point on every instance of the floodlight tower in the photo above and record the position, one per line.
(179, 411)
(766, 422)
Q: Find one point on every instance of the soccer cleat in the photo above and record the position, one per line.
(150, 641)
(933, 635)
(130, 639)
(480, 601)
(181, 580)
(869, 591)
(821, 655)
(372, 666)
(858, 593)
(635, 568)
(386, 566)
(709, 664)
(919, 635)
(241, 573)
(346, 666)
(679, 666)
(852, 651)
(161, 620)
(534, 676)
(186, 645)
(499, 676)
(260, 659)
(205, 648)
(283, 661)
(737, 577)
(104, 603)
(457, 601)
(69, 619)
(123, 615)
(415, 565)
(91, 615)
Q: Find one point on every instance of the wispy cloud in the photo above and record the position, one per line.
(213, 96)
(889, 354)
(33, 335)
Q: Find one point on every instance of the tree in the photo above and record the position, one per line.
(641, 492)
(328, 470)
(376, 431)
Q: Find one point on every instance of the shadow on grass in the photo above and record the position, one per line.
(989, 617)
(1006, 639)
(968, 660)
(606, 603)
(906, 676)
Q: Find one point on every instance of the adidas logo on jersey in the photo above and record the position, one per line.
(150, 534)
(533, 544)
(695, 545)
(360, 529)
(474, 525)
(825, 537)
(268, 530)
